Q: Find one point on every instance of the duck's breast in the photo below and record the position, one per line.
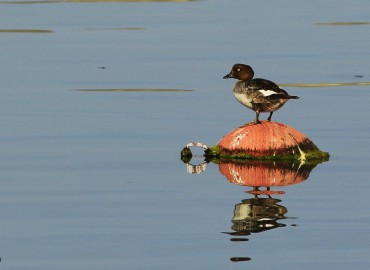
(243, 99)
(242, 94)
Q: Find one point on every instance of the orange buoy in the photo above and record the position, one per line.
(266, 139)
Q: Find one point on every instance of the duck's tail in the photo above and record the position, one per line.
(293, 97)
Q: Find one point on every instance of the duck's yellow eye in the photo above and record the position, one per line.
(238, 69)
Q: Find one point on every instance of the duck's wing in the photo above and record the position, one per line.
(262, 84)
(266, 89)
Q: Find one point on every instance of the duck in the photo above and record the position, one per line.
(259, 95)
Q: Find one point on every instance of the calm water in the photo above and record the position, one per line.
(93, 179)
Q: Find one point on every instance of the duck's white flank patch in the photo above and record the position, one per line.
(267, 93)
(242, 98)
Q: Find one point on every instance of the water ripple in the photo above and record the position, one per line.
(324, 84)
(90, 1)
(134, 90)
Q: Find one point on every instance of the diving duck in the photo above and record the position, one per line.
(258, 94)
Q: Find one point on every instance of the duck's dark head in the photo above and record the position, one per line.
(241, 72)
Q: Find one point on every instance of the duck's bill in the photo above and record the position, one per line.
(228, 76)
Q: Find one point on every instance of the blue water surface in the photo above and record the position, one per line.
(94, 180)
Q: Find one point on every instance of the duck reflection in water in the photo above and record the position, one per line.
(257, 215)
(261, 212)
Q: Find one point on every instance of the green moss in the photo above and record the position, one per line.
(217, 154)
